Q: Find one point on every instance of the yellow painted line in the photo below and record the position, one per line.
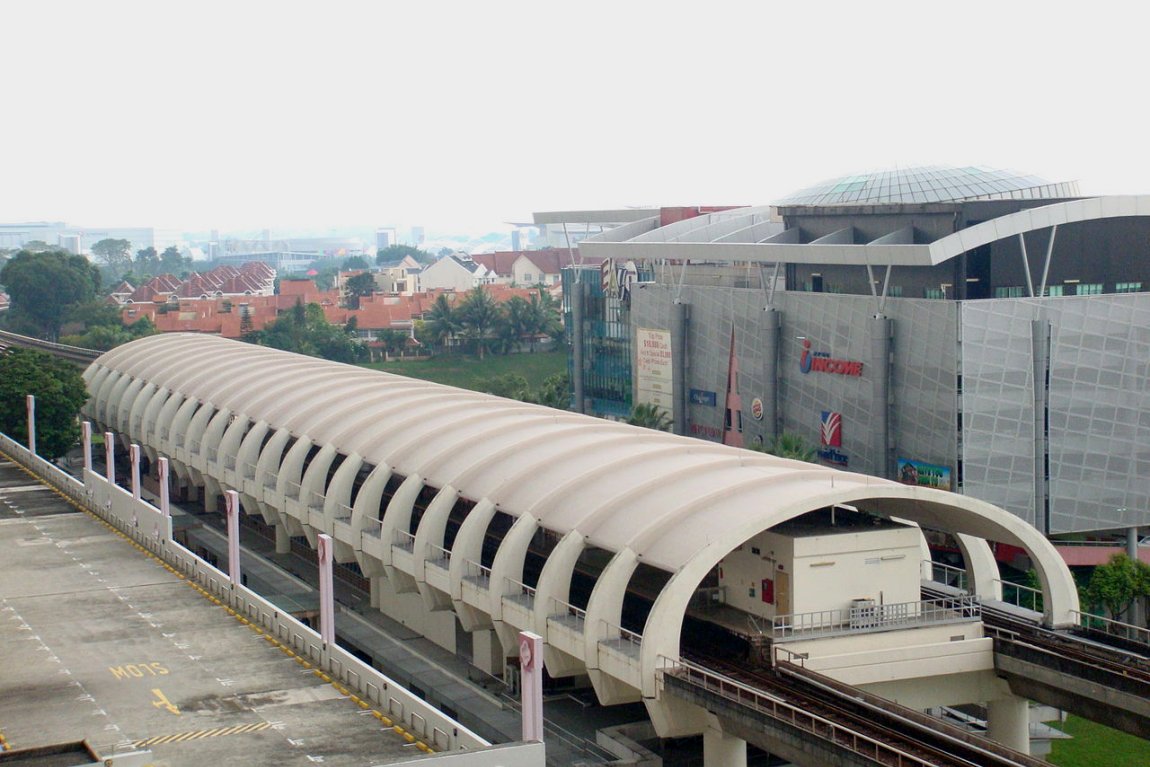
(197, 734)
(180, 737)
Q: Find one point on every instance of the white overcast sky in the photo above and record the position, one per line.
(467, 114)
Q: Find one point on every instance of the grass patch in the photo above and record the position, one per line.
(468, 372)
(1095, 744)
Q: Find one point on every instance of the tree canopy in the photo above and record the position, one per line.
(1116, 584)
(394, 253)
(59, 391)
(358, 286)
(304, 330)
(788, 445)
(650, 416)
(115, 253)
(43, 286)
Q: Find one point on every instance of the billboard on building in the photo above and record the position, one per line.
(923, 474)
(653, 369)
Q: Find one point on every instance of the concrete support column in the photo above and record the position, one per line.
(283, 540)
(770, 325)
(578, 293)
(375, 584)
(1132, 543)
(30, 401)
(110, 457)
(1040, 340)
(680, 319)
(722, 750)
(1008, 722)
(86, 438)
(134, 460)
(879, 369)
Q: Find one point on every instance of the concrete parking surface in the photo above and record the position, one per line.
(103, 642)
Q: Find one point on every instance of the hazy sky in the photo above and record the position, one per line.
(466, 114)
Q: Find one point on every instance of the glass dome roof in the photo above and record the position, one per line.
(930, 183)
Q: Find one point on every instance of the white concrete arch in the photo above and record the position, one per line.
(1032, 219)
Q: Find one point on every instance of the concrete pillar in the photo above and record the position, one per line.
(1132, 543)
(1040, 341)
(375, 589)
(680, 319)
(770, 324)
(578, 293)
(110, 457)
(1008, 722)
(325, 554)
(134, 460)
(30, 400)
(722, 750)
(879, 368)
(233, 511)
(283, 540)
(86, 438)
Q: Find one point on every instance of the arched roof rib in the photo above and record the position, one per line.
(716, 242)
(668, 499)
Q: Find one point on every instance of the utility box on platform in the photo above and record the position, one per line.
(847, 561)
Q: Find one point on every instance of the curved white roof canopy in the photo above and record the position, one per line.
(746, 235)
(670, 500)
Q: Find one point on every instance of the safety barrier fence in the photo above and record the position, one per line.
(748, 697)
(146, 525)
(869, 616)
(940, 572)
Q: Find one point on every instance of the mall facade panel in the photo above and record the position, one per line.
(986, 335)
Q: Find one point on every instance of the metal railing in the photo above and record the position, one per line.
(373, 528)
(473, 572)
(519, 592)
(438, 556)
(872, 617)
(403, 541)
(1113, 628)
(629, 643)
(1021, 595)
(566, 614)
(779, 710)
(941, 572)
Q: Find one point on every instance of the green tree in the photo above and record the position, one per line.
(394, 253)
(305, 330)
(542, 318)
(37, 246)
(171, 262)
(555, 391)
(1116, 584)
(788, 445)
(59, 391)
(650, 416)
(516, 324)
(358, 286)
(147, 263)
(479, 314)
(441, 322)
(44, 286)
(116, 254)
(351, 263)
(510, 385)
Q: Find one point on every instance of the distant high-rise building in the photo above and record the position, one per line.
(516, 240)
(70, 243)
(418, 236)
(384, 237)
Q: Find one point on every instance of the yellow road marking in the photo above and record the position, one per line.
(163, 702)
(180, 737)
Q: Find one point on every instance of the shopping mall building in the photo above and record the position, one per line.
(977, 330)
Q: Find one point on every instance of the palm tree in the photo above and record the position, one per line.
(443, 321)
(517, 321)
(479, 314)
(650, 416)
(788, 445)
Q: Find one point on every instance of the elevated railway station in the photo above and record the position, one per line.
(473, 518)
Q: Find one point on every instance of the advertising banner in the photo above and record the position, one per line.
(923, 474)
(653, 368)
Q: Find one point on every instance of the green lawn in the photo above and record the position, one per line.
(1095, 745)
(468, 372)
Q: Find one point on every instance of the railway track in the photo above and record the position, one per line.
(74, 354)
(909, 737)
(1009, 628)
